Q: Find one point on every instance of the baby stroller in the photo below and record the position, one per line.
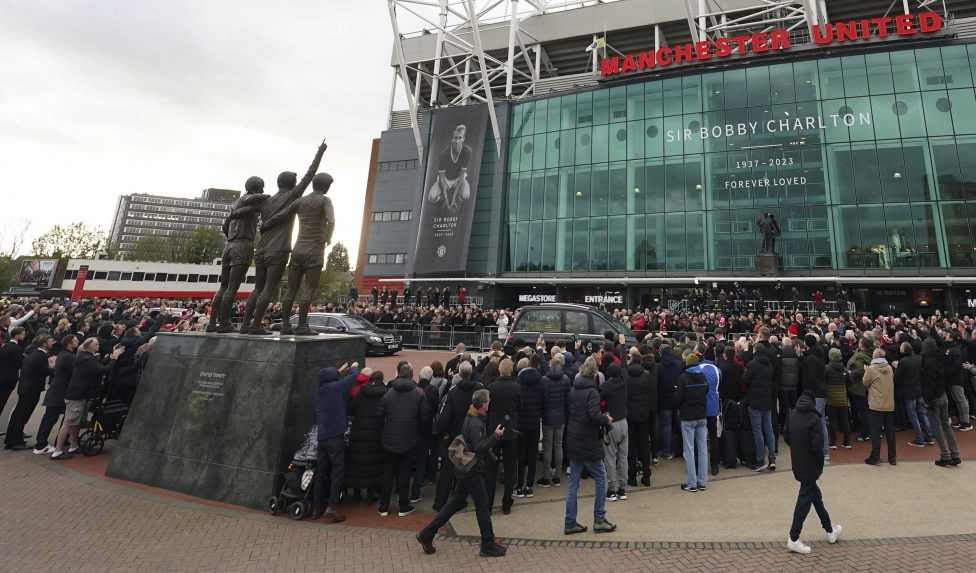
(295, 496)
(105, 420)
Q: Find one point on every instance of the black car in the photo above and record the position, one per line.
(379, 342)
(562, 321)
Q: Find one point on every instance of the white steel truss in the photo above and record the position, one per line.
(459, 70)
(707, 20)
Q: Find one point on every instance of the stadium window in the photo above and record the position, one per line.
(99, 275)
(160, 277)
(192, 278)
(149, 276)
(371, 259)
(387, 216)
(181, 278)
(138, 277)
(400, 257)
(404, 215)
(126, 277)
(377, 216)
(213, 278)
(171, 278)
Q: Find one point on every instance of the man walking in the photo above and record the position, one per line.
(806, 449)
(478, 441)
(585, 449)
(879, 380)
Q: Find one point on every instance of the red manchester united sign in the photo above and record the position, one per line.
(772, 41)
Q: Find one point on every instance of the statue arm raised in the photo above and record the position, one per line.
(329, 220)
(312, 169)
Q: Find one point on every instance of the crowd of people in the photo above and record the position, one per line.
(614, 411)
(715, 389)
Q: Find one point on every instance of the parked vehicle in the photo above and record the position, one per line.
(379, 342)
(563, 321)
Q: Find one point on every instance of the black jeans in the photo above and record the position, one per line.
(809, 495)
(51, 415)
(639, 449)
(838, 416)
(529, 456)
(445, 479)
(787, 400)
(473, 485)
(331, 467)
(860, 404)
(6, 389)
(509, 450)
(879, 419)
(27, 399)
(714, 451)
(397, 467)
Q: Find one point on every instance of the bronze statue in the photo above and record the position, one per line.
(274, 244)
(240, 227)
(316, 221)
(770, 230)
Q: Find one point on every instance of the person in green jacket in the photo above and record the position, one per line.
(859, 397)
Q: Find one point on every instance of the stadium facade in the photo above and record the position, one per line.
(625, 149)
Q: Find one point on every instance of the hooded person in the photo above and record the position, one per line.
(759, 379)
(806, 450)
(555, 405)
(669, 369)
(937, 403)
(365, 456)
(641, 380)
(529, 418)
(837, 398)
(405, 412)
(330, 415)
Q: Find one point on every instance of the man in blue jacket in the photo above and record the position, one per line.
(713, 375)
(330, 415)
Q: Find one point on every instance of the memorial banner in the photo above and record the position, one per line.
(450, 189)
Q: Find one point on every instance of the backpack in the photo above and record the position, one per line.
(463, 460)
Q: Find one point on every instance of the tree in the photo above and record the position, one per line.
(76, 241)
(152, 249)
(203, 246)
(335, 280)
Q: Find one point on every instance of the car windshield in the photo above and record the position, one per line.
(357, 322)
(621, 328)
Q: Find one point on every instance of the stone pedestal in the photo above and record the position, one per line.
(219, 416)
(766, 264)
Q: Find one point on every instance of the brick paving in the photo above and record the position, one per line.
(53, 518)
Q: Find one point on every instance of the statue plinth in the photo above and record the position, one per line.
(219, 416)
(766, 264)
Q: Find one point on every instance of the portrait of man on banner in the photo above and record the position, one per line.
(452, 188)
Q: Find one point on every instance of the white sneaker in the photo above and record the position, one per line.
(797, 546)
(74, 450)
(834, 535)
(45, 451)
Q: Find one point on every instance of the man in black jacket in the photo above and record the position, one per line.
(86, 377)
(530, 416)
(555, 406)
(807, 454)
(933, 392)
(641, 405)
(54, 398)
(505, 403)
(614, 394)
(813, 376)
(11, 358)
(585, 449)
(478, 441)
(404, 410)
(758, 377)
(33, 374)
(908, 381)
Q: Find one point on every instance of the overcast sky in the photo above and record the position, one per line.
(100, 98)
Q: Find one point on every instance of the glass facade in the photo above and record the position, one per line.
(867, 161)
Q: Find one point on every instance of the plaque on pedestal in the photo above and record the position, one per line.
(219, 416)
(766, 263)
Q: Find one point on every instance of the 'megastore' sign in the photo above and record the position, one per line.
(772, 41)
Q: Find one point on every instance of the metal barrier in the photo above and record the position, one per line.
(436, 337)
(366, 299)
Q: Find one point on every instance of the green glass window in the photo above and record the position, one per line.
(674, 186)
(618, 188)
(904, 72)
(635, 101)
(601, 107)
(891, 169)
(618, 243)
(757, 83)
(567, 106)
(880, 79)
(567, 186)
(911, 119)
(938, 120)
(676, 246)
(955, 63)
(635, 139)
(884, 117)
(841, 163)
(866, 174)
(552, 149)
(581, 244)
(635, 242)
(962, 103)
(654, 242)
(599, 189)
(550, 246)
(713, 88)
(541, 119)
(551, 201)
(831, 78)
(564, 245)
(735, 89)
(960, 231)
(601, 144)
(695, 237)
(781, 83)
(653, 189)
(926, 246)
(672, 96)
(584, 140)
(654, 137)
(653, 100)
(862, 120)
(581, 202)
(534, 260)
(584, 109)
(691, 94)
(930, 73)
(966, 149)
(598, 244)
(618, 104)
(806, 80)
(673, 135)
(526, 125)
(567, 147)
(634, 183)
(554, 114)
(618, 141)
(539, 151)
(855, 76)
(948, 171)
(514, 154)
(538, 195)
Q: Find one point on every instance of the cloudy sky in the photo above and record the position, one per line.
(100, 98)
